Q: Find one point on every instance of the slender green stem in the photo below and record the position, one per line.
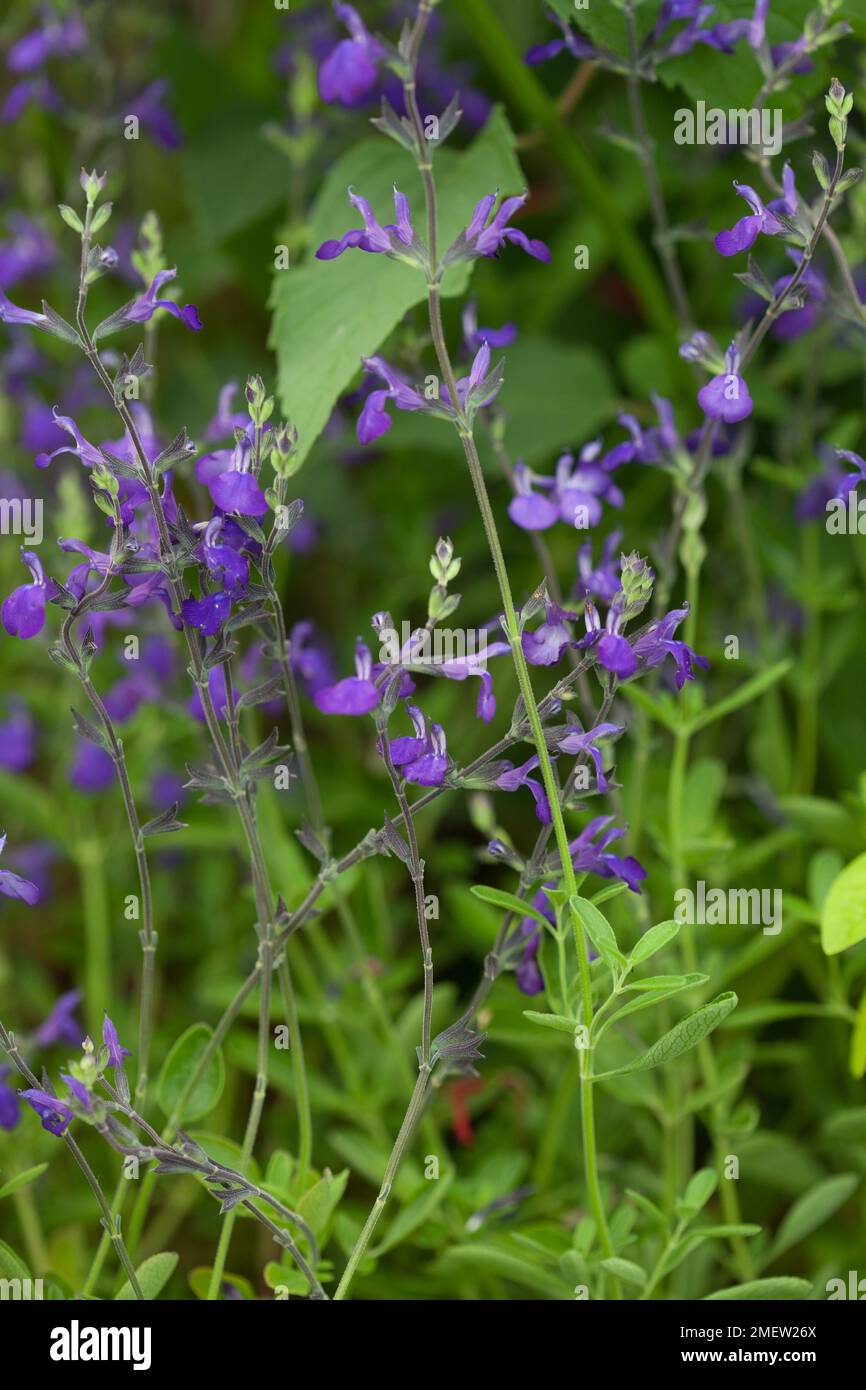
(299, 1071)
(512, 626)
(407, 1128)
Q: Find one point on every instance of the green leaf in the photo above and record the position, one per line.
(811, 1211)
(199, 1282)
(557, 1021)
(700, 1189)
(598, 929)
(683, 1036)
(625, 1270)
(501, 1262)
(655, 996)
(152, 1274)
(179, 1066)
(415, 1214)
(22, 1179)
(763, 1290)
(319, 1203)
(653, 940)
(743, 695)
(11, 1265)
(843, 915)
(509, 902)
(330, 314)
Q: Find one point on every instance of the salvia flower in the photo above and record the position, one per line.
(144, 308)
(10, 1110)
(12, 314)
(657, 643)
(23, 611)
(589, 853)
(851, 480)
(513, 777)
(612, 650)
(55, 1114)
(489, 231)
(474, 337)
(726, 397)
(545, 646)
(577, 740)
(117, 1055)
(731, 241)
(13, 886)
(351, 69)
(599, 581)
(528, 509)
(236, 488)
(570, 42)
(356, 694)
(55, 38)
(374, 419)
(79, 1091)
(60, 1025)
(397, 240)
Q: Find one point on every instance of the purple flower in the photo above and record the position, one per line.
(23, 611)
(571, 42)
(530, 510)
(428, 769)
(474, 337)
(578, 740)
(789, 201)
(83, 449)
(60, 1026)
(391, 240)
(55, 1114)
(79, 1091)
(422, 756)
(356, 694)
(745, 233)
(486, 234)
(226, 420)
(117, 1053)
(351, 69)
(601, 581)
(237, 489)
(17, 739)
(824, 487)
(528, 974)
(726, 397)
(11, 886)
(92, 769)
(657, 643)
(39, 91)
(10, 1110)
(28, 251)
(612, 650)
(207, 614)
(221, 560)
(851, 480)
(374, 420)
(310, 658)
(150, 108)
(589, 853)
(514, 777)
(54, 38)
(545, 646)
(142, 309)
(10, 313)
